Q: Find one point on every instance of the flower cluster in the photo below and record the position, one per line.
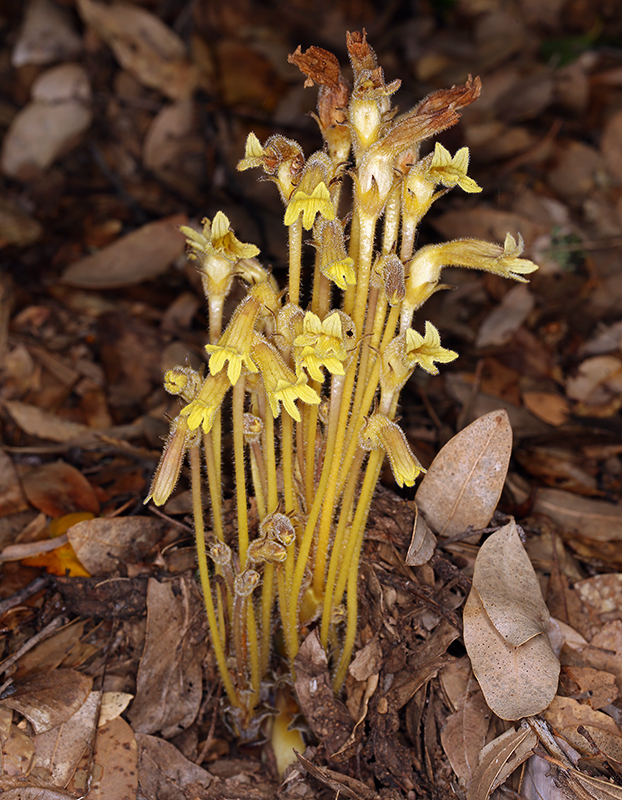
(308, 396)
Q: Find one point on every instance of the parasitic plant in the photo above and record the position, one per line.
(314, 390)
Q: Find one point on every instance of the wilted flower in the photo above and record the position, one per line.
(282, 159)
(166, 475)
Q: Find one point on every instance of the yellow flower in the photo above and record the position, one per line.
(321, 345)
(335, 263)
(381, 433)
(233, 347)
(318, 202)
(202, 410)
(452, 171)
(280, 383)
(217, 250)
(423, 351)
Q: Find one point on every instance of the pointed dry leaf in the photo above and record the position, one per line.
(422, 544)
(539, 781)
(164, 772)
(592, 519)
(169, 683)
(18, 752)
(591, 788)
(465, 731)
(60, 749)
(138, 256)
(38, 422)
(565, 715)
(508, 587)
(463, 485)
(143, 45)
(515, 666)
(499, 759)
(48, 699)
(59, 488)
(103, 545)
(113, 704)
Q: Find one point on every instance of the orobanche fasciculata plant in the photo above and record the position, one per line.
(314, 388)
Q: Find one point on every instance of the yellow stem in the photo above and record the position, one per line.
(267, 601)
(295, 260)
(199, 530)
(237, 411)
(349, 569)
(287, 446)
(336, 554)
(215, 491)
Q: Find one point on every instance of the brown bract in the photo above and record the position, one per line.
(319, 65)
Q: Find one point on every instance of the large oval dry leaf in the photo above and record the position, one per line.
(48, 699)
(516, 681)
(508, 587)
(464, 482)
(138, 256)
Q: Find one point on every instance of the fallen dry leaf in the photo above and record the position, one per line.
(594, 685)
(48, 699)
(60, 749)
(568, 717)
(105, 545)
(138, 256)
(144, 46)
(164, 772)
(169, 684)
(591, 519)
(539, 781)
(505, 629)
(115, 774)
(464, 733)
(59, 488)
(47, 36)
(506, 318)
(47, 128)
(422, 544)
(36, 421)
(464, 482)
(499, 759)
(327, 716)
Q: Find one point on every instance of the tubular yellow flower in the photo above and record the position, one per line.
(234, 345)
(318, 202)
(406, 352)
(335, 263)
(280, 383)
(452, 171)
(425, 267)
(381, 433)
(166, 475)
(202, 410)
(321, 344)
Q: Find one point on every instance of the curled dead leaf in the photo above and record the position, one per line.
(505, 629)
